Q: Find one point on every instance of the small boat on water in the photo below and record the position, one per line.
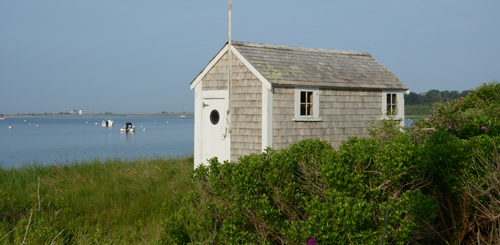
(183, 115)
(127, 128)
(107, 123)
(2, 118)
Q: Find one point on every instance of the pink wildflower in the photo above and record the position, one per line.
(311, 241)
(461, 98)
(449, 127)
(485, 128)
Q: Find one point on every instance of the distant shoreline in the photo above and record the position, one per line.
(102, 115)
(137, 115)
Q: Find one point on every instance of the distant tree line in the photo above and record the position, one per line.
(432, 96)
(420, 104)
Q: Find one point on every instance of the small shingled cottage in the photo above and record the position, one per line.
(280, 95)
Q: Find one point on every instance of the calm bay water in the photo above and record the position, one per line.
(65, 139)
(408, 122)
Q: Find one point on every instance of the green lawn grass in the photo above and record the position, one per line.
(415, 116)
(416, 111)
(92, 202)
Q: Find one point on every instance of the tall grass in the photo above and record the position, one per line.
(113, 201)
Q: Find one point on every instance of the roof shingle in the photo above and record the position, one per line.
(285, 65)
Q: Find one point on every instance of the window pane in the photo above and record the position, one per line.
(306, 109)
(214, 117)
(391, 110)
(309, 97)
(391, 104)
(306, 105)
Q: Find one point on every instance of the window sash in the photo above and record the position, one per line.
(306, 103)
(392, 108)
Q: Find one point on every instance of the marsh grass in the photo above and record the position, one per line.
(112, 201)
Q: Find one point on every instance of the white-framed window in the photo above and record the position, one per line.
(393, 104)
(306, 104)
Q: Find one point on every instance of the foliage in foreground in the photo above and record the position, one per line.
(433, 183)
(95, 202)
(476, 114)
(459, 154)
(307, 190)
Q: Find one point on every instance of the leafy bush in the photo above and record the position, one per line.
(450, 142)
(384, 130)
(307, 190)
(435, 182)
(482, 188)
(476, 114)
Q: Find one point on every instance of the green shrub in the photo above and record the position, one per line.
(307, 190)
(476, 114)
(450, 143)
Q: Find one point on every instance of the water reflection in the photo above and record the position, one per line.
(127, 137)
(109, 134)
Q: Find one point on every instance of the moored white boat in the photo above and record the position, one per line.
(107, 123)
(127, 128)
(2, 118)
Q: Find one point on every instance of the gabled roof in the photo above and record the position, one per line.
(286, 65)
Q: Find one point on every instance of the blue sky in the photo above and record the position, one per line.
(124, 56)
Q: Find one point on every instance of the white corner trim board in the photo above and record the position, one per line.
(267, 117)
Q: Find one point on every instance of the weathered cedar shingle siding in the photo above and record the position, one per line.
(246, 135)
(345, 113)
(216, 78)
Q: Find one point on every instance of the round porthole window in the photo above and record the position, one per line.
(214, 117)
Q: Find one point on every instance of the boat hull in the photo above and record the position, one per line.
(107, 123)
(128, 130)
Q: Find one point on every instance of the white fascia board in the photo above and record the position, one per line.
(208, 67)
(251, 68)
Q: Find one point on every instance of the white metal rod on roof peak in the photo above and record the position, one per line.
(230, 73)
(229, 22)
